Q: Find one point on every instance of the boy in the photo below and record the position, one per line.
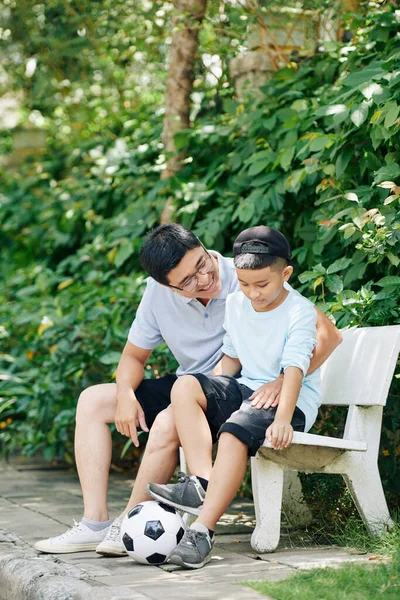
(270, 330)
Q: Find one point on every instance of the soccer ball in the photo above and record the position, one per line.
(150, 531)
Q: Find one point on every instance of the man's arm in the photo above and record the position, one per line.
(328, 338)
(130, 372)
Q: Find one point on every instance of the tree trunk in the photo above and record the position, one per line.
(187, 21)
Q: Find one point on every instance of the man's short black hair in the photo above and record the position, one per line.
(164, 248)
(259, 261)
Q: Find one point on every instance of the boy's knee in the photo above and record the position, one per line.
(227, 440)
(185, 388)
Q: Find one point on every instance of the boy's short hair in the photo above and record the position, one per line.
(260, 247)
(164, 248)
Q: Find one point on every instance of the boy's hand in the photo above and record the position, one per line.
(268, 394)
(279, 434)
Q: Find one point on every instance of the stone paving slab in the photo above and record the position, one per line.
(35, 504)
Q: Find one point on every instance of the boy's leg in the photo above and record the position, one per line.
(225, 480)
(194, 550)
(189, 405)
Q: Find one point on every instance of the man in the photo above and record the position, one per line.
(183, 305)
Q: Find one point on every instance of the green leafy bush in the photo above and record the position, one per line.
(317, 155)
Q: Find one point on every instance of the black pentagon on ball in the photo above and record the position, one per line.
(167, 508)
(154, 529)
(156, 558)
(135, 511)
(180, 535)
(128, 542)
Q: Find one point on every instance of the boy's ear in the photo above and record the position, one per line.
(287, 271)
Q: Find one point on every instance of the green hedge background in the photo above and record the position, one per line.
(317, 155)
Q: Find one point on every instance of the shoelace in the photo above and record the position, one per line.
(114, 532)
(191, 537)
(183, 477)
(76, 527)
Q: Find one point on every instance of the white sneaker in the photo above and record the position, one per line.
(78, 538)
(112, 544)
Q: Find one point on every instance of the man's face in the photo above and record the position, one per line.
(208, 285)
(264, 287)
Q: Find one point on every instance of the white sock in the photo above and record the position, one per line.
(197, 526)
(96, 525)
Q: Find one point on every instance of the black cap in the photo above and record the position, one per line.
(262, 240)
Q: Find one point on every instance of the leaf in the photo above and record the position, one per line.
(307, 276)
(320, 143)
(334, 283)
(395, 260)
(110, 358)
(387, 185)
(359, 114)
(338, 265)
(334, 109)
(362, 75)
(318, 282)
(348, 230)
(387, 173)
(342, 161)
(286, 158)
(371, 90)
(389, 280)
(392, 113)
(64, 284)
(124, 251)
(351, 196)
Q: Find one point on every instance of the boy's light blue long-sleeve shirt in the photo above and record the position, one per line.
(266, 342)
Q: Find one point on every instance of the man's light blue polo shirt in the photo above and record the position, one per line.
(193, 332)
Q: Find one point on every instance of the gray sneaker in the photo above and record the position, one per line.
(187, 495)
(194, 549)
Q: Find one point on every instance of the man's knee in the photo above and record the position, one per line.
(96, 402)
(163, 433)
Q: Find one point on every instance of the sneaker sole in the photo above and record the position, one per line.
(66, 549)
(110, 551)
(188, 509)
(178, 560)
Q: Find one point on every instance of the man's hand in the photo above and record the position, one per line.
(279, 434)
(268, 394)
(129, 416)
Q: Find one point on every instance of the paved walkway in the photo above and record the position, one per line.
(40, 503)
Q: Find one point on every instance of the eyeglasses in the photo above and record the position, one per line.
(191, 283)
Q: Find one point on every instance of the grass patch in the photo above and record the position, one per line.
(350, 582)
(370, 581)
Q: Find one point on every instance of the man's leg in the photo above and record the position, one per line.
(96, 408)
(159, 458)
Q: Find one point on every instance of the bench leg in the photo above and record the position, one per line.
(294, 506)
(267, 482)
(365, 487)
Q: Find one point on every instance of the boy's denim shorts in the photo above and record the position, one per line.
(229, 409)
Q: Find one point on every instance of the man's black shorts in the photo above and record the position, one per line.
(222, 398)
(154, 395)
(228, 407)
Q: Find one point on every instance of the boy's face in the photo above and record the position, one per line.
(197, 268)
(264, 287)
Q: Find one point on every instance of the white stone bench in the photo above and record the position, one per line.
(358, 375)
